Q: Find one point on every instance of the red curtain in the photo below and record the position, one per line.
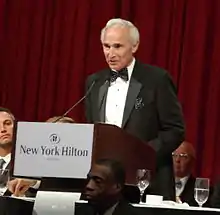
(48, 48)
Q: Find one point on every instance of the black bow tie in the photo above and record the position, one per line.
(179, 184)
(123, 74)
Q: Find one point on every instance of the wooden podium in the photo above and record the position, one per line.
(110, 141)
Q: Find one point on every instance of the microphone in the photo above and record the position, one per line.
(78, 102)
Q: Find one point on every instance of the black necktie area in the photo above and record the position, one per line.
(123, 74)
(179, 184)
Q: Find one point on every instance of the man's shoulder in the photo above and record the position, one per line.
(152, 70)
(124, 208)
(98, 74)
(190, 183)
(151, 75)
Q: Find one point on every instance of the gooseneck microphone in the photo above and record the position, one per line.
(78, 102)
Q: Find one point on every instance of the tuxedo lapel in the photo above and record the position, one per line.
(8, 166)
(99, 96)
(133, 91)
(102, 101)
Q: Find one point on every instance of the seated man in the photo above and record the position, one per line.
(215, 198)
(184, 158)
(103, 191)
(19, 186)
(6, 135)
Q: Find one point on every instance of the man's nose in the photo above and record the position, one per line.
(111, 52)
(177, 159)
(2, 128)
(90, 185)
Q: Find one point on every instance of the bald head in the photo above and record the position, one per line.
(183, 159)
(187, 148)
(61, 119)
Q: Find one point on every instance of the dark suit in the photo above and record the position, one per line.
(215, 198)
(152, 113)
(188, 193)
(122, 208)
(31, 192)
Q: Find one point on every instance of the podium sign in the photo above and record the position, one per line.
(53, 150)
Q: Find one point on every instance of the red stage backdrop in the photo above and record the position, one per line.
(49, 47)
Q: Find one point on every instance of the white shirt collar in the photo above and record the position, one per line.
(183, 180)
(130, 68)
(7, 158)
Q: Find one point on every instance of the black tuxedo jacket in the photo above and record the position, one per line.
(152, 113)
(188, 193)
(123, 207)
(215, 198)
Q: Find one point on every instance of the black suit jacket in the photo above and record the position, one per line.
(188, 193)
(215, 198)
(31, 192)
(123, 207)
(152, 113)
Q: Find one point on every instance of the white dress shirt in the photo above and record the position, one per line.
(7, 160)
(183, 181)
(116, 98)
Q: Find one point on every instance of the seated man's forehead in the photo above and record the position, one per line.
(5, 116)
(100, 171)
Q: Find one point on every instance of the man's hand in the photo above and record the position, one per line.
(19, 186)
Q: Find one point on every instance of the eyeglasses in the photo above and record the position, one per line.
(181, 155)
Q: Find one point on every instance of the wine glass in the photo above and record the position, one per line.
(201, 190)
(4, 178)
(143, 180)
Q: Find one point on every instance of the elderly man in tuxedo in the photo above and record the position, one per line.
(184, 158)
(139, 98)
(183, 163)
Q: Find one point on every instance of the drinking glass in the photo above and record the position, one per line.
(143, 180)
(201, 190)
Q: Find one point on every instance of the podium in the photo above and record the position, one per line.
(110, 141)
(56, 150)
(54, 146)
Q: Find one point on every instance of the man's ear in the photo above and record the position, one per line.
(135, 47)
(117, 187)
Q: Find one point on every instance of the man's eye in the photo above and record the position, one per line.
(117, 46)
(98, 181)
(8, 123)
(106, 46)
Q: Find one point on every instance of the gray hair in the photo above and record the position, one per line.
(134, 33)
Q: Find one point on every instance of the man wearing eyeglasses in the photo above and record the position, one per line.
(183, 162)
(184, 158)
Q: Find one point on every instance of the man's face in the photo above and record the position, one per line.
(6, 129)
(118, 47)
(182, 161)
(101, 185)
